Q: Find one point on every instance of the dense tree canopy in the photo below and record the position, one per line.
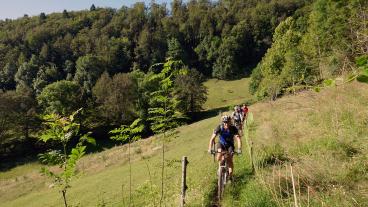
(321, 41)
(62, 97)
(191, 92)
(116, 98)
(137, 37)
(112, 62)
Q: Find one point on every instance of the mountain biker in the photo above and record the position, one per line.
(237, 117)
(245, 111)
(227, 133)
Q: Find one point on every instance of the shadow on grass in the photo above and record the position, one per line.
(240, 180)
(199, 116)
(103, 141)
(234, 189)
(20, 153)
(9, 163)
(211, 197)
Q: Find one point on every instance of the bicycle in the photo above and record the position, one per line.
(222, 172)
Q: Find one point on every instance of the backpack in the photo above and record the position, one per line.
(237, 117)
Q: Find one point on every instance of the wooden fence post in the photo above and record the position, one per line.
(183, 180)
(308, 194)
(249, 142)
(251, 156)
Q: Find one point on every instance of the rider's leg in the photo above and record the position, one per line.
(231, 165)
(240, 129)
(219, 156)
(219, 150)
(230, 161)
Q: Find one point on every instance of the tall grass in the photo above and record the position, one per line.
(323, 137)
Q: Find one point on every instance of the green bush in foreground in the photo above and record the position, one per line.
(62, 129)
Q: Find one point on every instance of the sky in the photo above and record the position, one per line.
(13, 9)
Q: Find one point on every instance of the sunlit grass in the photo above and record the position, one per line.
(324, 137)
(227, 93)
(106, 177)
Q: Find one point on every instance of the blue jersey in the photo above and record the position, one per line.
(226, 135)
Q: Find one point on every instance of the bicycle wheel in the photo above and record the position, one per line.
(220, 183)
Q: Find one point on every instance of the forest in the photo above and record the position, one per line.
(115, 96)
(329, 40)
(109, 61)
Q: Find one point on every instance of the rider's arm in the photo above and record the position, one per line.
(212, 140)
(239, 141)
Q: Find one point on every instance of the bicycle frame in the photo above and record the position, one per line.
(222, 173)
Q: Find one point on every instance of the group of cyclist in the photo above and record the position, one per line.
(239, 116)
(229, 130)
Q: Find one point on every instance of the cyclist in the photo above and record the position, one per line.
(245, 111)
(237, 117)
(227, 133)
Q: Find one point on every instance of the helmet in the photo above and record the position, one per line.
(236, 108)
(225, 119)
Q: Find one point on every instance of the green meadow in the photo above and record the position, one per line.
(323, 136)
(104, 177)
(227, 93)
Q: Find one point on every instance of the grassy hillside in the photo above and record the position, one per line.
(323, 135)
(105, 177)
(227, 93)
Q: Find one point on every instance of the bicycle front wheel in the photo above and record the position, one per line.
(221, 183)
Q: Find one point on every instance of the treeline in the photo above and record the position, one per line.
(112, 101)
(105, 60)
(138, 37)
(323, 40)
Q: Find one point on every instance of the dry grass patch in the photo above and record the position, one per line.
(324, 136)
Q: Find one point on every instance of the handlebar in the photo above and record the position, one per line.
(213, 152)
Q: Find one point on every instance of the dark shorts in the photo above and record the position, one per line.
(229, 148)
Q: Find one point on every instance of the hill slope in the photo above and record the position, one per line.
(227, 93)
(324, 136)
(107, 173)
